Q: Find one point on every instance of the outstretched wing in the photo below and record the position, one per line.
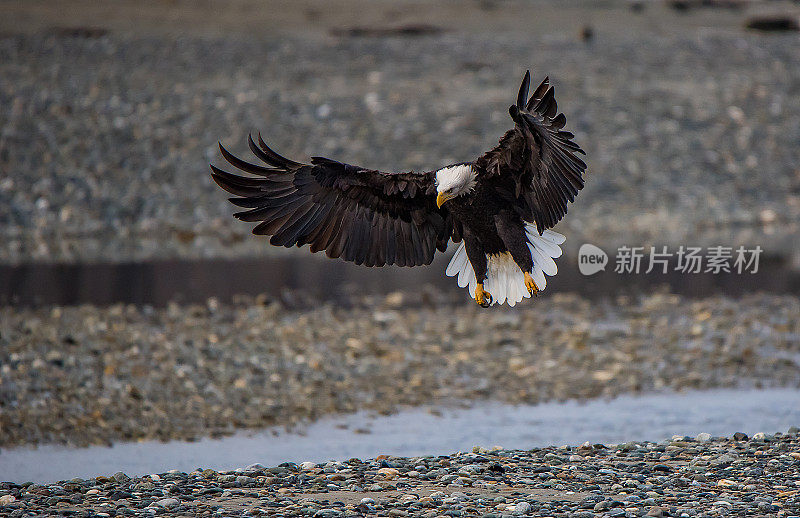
(364, 216)
(535, 166)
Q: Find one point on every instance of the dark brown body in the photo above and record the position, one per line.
(490, 227)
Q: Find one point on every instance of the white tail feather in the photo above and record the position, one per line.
(504, 280)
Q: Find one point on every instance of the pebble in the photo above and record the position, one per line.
(168, 503)
(522, 508)
(388, 473)
(703, 437)
(120, 477)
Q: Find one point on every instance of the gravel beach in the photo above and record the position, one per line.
(700, 476)
(89, 375)
(690, 122)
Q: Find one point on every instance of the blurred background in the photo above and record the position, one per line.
(134, 307)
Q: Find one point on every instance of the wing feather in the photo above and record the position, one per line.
(535, 165)
(245, 166)
(363, 216)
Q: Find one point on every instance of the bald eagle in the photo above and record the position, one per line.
(500, 207)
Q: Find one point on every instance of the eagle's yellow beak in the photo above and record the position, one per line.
(441, 198)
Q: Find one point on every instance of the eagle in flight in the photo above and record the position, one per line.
(500, 207)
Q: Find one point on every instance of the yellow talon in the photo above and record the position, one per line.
(533, 289)
(482, 297)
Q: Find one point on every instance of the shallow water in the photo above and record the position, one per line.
(418, 432)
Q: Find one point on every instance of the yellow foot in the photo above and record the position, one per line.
(482, 297)
(533, 289)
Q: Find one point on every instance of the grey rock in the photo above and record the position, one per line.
(120, 477)
(522, 508)
(168, 503)
(703, 437)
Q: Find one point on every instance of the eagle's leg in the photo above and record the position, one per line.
(533, 289)
(477, 257)
(482, 297)
(512, 232)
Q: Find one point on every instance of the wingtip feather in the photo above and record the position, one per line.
(522, 97)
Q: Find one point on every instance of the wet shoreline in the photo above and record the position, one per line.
(303, 280)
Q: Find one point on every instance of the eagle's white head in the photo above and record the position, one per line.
(454, 180)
